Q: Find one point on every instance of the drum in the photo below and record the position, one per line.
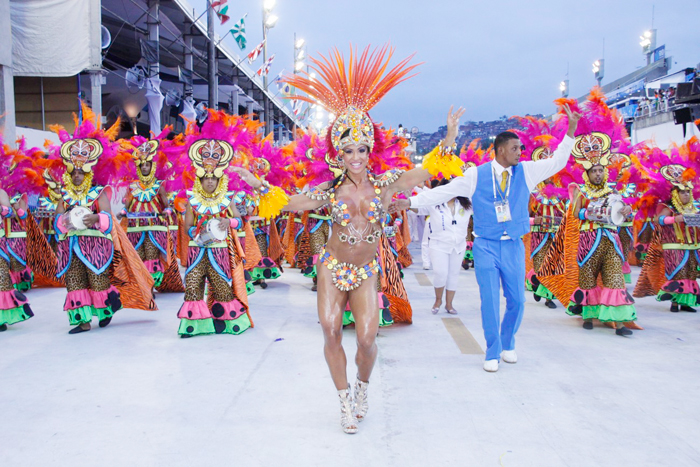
(692, 220)
(212, 232)
(73, 219)
(607, 210)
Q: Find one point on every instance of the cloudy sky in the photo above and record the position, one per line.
(495, 58)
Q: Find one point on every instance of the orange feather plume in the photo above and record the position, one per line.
(361, 82)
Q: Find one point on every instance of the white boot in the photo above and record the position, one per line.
(347, 419)
(361, 405)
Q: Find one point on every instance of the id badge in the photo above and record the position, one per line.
(502, 211)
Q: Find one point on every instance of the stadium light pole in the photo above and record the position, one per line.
(269, 21)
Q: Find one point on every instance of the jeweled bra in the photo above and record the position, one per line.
(341, 215)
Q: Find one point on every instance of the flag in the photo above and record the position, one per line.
(285, 89)
(265, 69)
(238, 33)
(253, 55)
(296, 107)
(222, 11)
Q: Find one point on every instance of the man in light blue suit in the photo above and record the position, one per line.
(500, 191)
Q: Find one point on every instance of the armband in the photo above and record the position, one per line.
(21, 213)
(582, 214)
(6, 211)
(236, 223)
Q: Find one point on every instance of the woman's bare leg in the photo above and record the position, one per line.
(449, 296)
(331, 306)
(438, 297)
(365, 309)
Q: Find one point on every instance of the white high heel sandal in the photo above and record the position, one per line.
(347, 418)
(361, 404)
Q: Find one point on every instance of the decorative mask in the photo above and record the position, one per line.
(210, 157)
(146, 152)
(81, 154)
(674, 174)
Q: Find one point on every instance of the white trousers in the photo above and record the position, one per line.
(446, 268)
(424, 248)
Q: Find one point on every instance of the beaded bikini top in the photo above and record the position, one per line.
(339, 210)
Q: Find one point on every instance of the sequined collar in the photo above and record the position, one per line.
(145, 195)
(208, 207)
(92, 194)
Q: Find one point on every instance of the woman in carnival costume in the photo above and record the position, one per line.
(147, 209)
(670, 270)
(350, 261)
(87, 242)
(215, 260)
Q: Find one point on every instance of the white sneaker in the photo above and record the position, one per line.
(491, 366)
(509, 356)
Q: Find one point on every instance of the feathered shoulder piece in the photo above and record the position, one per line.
(19, 172)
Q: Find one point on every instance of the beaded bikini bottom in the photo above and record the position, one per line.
(347, 276)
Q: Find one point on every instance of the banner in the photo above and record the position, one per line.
(55, 37)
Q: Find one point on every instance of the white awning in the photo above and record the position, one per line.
(55, 37)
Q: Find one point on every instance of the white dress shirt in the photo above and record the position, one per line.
(448, 232)
(535, 172)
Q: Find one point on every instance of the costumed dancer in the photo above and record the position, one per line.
(670, 270)
(499, 193)
(265, 155)
(548, 203)
(215, 256)
(591, 241)
(14, 307)
(357, 198)
(246, 207)
(86, 228)
(147, 210)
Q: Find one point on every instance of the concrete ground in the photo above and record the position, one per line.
(134, 394)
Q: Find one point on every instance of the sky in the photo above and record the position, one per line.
(494, 58)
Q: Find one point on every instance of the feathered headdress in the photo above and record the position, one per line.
(86, 145)
(222, 140)
(601, 137)
(154, 150)
(473, 155)
(351, 89)
(669, 171)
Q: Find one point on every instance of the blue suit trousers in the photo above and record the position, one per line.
(500, 262)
